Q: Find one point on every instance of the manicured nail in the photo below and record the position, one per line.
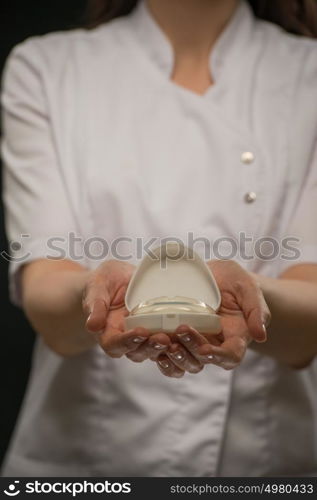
(164, 364)
(177, 355)
(157, 346)
(93, 332)
(138, 340)
(184, 337)
(262, 338)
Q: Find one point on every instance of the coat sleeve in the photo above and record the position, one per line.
(38, 216)
(302, 228)
(302, 225)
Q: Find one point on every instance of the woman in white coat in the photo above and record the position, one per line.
(166, 118)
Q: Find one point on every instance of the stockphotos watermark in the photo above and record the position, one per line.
(62, 487)
(244, 247)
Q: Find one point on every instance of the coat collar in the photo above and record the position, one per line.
(225, 54)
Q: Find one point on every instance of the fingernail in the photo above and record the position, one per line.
(262, 338)
(210, 357)
(163, 364)
(184, 337)
(157, 346)
(177, 355)
(93, 332)
(138, 340)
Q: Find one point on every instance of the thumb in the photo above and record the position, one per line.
(256, 312)
(96, 303)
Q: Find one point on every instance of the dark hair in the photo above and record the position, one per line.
(296, 16)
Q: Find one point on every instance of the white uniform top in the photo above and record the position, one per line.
(99, 141)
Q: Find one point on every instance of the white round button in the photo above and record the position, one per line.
(247, 157)
(250, 197)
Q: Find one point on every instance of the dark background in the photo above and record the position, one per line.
(20, 20)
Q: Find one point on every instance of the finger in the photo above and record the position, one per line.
(96, 304)
(191, 339)
(97, 318)
(183, 359)
(155, 345)
(117, 343)
(228, 356)
(184, 332)
(256, 312)
(168, 368)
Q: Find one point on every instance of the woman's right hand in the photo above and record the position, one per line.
(104, 308)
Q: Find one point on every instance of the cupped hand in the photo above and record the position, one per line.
(244, 316)
(104, 307)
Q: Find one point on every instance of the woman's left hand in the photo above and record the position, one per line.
(244, 316)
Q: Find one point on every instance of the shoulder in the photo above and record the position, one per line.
(287, 75)
(288, 55)
(55, 50)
